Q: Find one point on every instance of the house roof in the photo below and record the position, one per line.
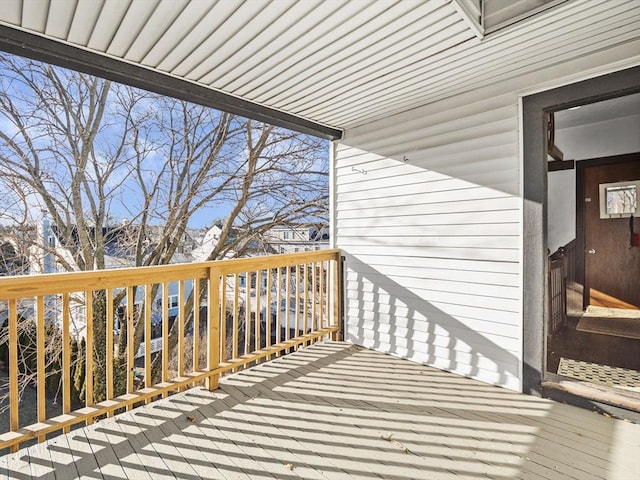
(317, 66)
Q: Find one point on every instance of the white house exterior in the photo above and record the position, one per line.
(207, 244)
(294, 239)
(436, 203)
(442, 281)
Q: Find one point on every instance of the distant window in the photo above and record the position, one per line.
(287, 235)
(173, 301)
(51, 241)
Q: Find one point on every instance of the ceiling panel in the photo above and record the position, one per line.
(262, 47)
(155, 28)
(221, 47)
(194, 14)
(128, 31)
(323, 41)
(181, 54)
(341, 63)
(81, 25)
(106, 27)
(59, 20)
(461, 68)
(12, 13)
(360, 54)
(34, 14)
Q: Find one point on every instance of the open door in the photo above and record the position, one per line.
(612, 262)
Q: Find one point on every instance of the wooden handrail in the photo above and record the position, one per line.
(55, 283)
(253, 328)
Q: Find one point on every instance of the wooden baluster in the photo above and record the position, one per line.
(287, 314)
(322, 293)
(196, 324)
(181, 332)
(247, 314)
(305, 313)
(223, 319)
(213, 328)
(130, 341)
(267, 310)
(298, 298)
(236, 310)
(256, 317)
(278, 304)
(66, 358)
(109, 345)
(13, 369)
(40, 362)
(88, 300)
(165, 334)
(314, 296)
(148, 304)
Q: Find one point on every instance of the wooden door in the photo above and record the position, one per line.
(612, 267)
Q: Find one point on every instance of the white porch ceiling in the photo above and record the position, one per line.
(339, 63)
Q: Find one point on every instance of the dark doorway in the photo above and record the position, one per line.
(536, 311)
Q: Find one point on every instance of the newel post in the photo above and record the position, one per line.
(213, 327)
(336, 294)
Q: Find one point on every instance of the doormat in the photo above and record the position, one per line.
(600, 374)
(618, 327)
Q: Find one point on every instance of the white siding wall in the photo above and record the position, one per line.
(433, 244)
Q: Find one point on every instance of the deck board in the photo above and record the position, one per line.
(336, 411)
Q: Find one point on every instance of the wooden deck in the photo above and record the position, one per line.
(335, 411)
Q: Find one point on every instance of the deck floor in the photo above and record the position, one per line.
(334, 411)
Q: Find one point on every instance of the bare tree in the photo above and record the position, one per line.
(85, 150)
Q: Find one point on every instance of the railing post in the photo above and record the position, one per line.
(341, 287)
(336, 275)
(213, 328)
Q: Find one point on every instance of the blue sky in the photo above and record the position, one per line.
(117, 143)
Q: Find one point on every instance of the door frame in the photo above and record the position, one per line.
(534, 133)
(581, 166)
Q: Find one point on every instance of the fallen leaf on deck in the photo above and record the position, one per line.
(290, 466)
(394, 441)
(191, 419)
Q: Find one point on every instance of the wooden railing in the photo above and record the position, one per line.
(557, 297)
(561, 275)
(132, 322)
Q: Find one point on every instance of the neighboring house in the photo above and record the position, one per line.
(210, 240)
(13, 261)
(293, 239)
(437, 111)
(190, 240)
(207, 243)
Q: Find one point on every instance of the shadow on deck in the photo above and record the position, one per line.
(336, 411)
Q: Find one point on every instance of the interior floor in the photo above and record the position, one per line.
(589, 347)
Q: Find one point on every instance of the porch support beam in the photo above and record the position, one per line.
(54, 52)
